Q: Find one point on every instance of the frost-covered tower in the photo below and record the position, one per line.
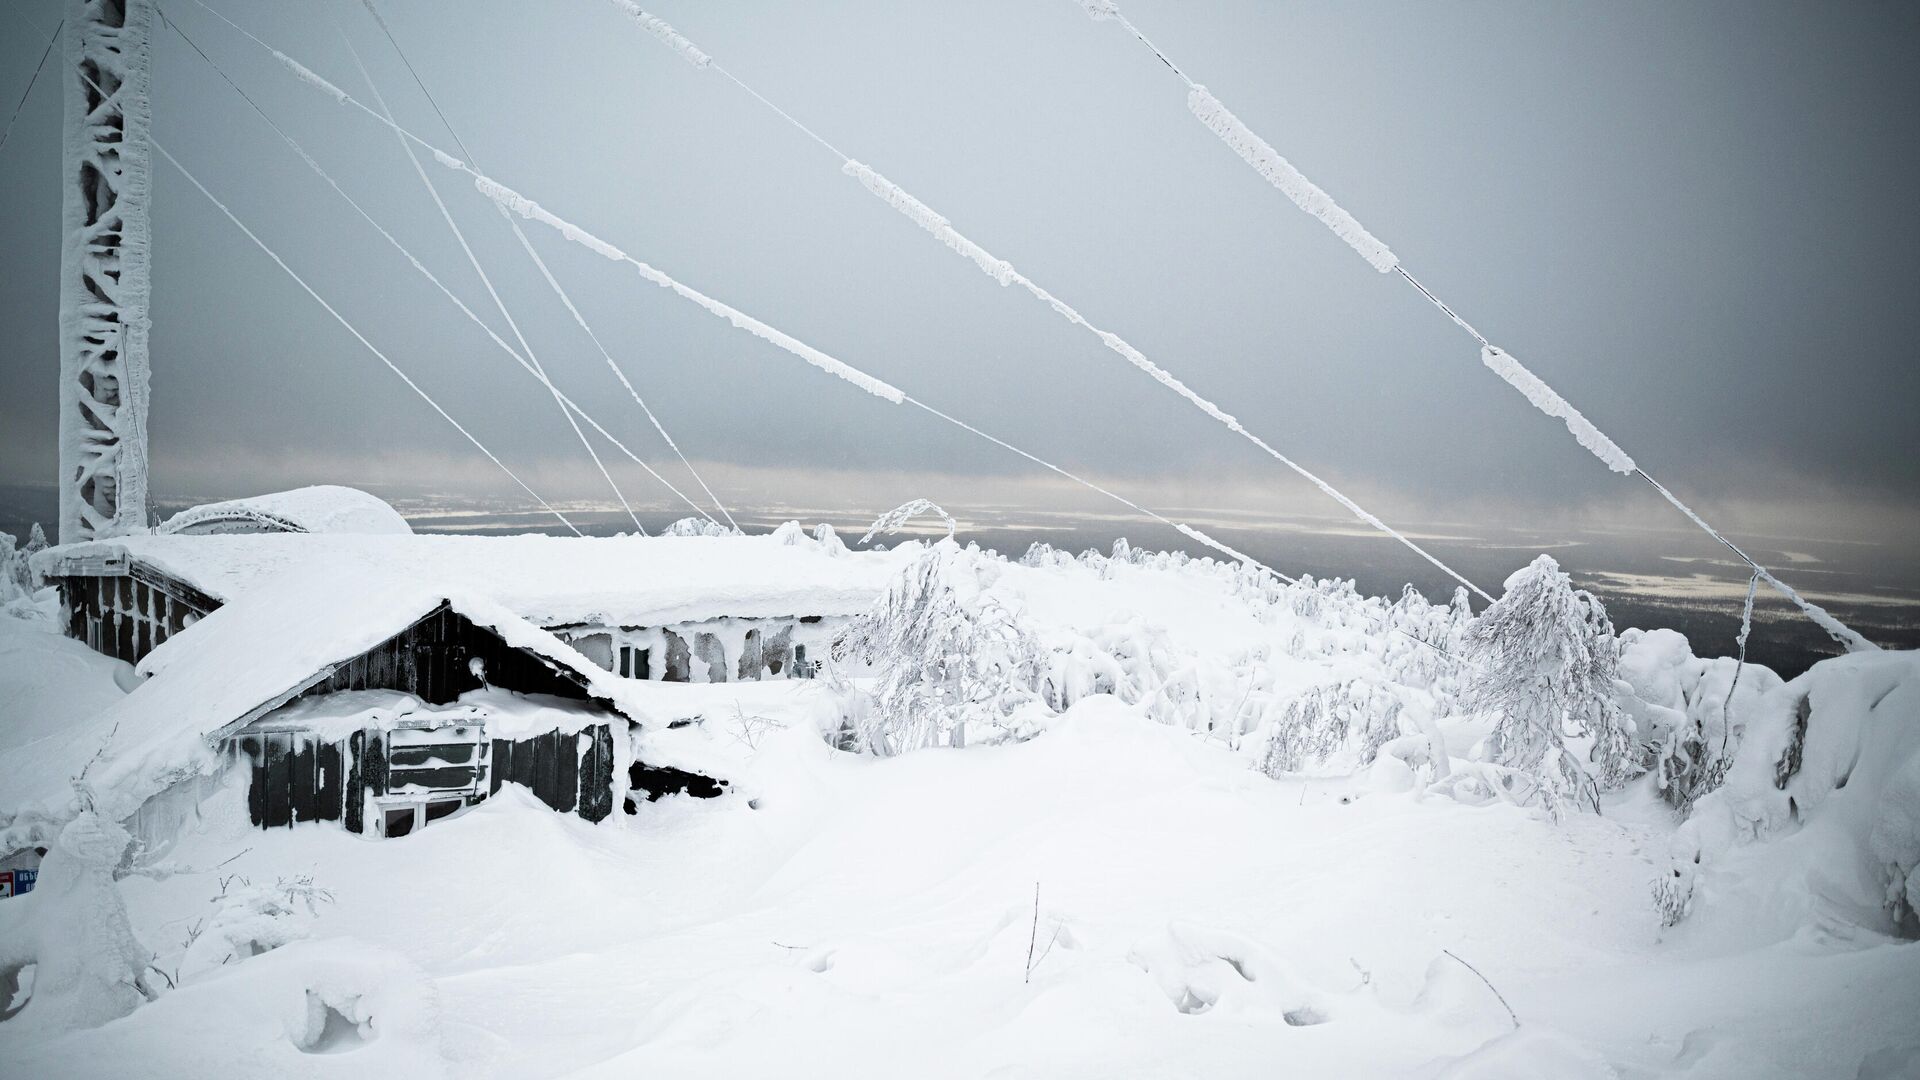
(104, 279)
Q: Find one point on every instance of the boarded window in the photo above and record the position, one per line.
(679, 659)
(710, 657)
(597, 648)
(750, 658)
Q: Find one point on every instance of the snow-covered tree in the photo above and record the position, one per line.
(88, 968)
(1351, 719)
(696, 526)
(1545, 657)
(952, 662)
(16, 577)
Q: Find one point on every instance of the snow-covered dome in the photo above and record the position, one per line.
(327, 508)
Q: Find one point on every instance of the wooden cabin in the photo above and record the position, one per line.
(383, 706)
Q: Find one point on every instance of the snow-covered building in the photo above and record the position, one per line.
(669, 608)
(381, 707)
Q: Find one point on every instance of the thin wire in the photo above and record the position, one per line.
(34, 78)
(585, 237)
(809, 132)
(474, 261)
(1184, 530)
(1138, 359)
(371, 347)
(1838, 630)
(558, 290)
(1424, 291)
(416, 263)
(1164, 58)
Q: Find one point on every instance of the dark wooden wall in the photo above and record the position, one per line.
(559, 770)
(127, 616)
(432, 661)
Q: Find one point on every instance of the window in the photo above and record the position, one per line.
(399, 819)
(635, 663)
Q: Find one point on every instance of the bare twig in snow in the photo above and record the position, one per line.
(1490, 986)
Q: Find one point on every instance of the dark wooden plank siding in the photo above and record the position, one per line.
(279, 773)
(596, 774)
(328, 781)
(353, 800)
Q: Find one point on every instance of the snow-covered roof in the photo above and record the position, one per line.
(551, 580)
(327, 508)
(257, 652)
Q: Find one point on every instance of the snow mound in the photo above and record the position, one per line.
(1818, 822)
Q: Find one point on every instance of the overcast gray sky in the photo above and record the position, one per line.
(1697, 220)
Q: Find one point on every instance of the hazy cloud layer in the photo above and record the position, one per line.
(1694, 219)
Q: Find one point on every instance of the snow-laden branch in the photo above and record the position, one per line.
(1279, 172)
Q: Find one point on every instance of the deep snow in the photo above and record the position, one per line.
(840, 915)
(872, 918)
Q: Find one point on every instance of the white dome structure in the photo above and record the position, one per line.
(327, 508)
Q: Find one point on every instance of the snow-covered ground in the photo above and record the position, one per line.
(842, 915)
(874, 918)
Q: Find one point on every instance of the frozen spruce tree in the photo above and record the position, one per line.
(1545, 657)
(952, 664)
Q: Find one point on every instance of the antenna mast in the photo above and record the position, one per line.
(104, 270)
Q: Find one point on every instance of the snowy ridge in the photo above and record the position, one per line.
(659, 28)
(923, 215)
(1279, 172)
(1543, 398)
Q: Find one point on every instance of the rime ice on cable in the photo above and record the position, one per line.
(1544, 399)
(312, 77)
(924, 216)
(659, 28)
(1100, 10)
(527, 208)
(1279, 172)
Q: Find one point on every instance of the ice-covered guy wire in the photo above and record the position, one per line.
(1268, 162)
(554, 283)
(1004, 273)
(393, 241)
(371, 347)
(499, 304)
(594, 243)
(31, 80)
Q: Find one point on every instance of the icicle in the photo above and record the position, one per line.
(659, 28)
(1739, 664)
(308, 75)
(924, 216)
(1100, 10)
(1544, 399)
(1281, 174)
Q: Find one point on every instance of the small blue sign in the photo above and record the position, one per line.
(16, 882)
